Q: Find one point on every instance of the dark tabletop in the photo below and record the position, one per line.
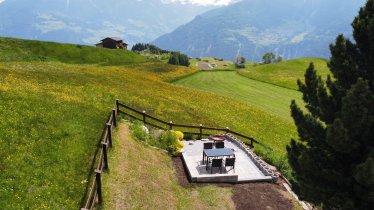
(218, 152)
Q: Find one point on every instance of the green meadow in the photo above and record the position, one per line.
(53, 109)
(286, 73)
(270, 98)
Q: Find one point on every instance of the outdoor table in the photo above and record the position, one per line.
(216, 153)
(217, 138)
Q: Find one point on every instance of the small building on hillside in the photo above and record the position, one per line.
(112, 43)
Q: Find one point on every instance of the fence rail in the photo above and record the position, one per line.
(170, 124)
(94, 195)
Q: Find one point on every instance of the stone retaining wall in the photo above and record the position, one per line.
(262, 165)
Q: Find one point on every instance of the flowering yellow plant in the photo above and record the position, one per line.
(179, 147)
(179, 134)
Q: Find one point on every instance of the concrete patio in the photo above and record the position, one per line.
(246, 170)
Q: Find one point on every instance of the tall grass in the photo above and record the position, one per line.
(52, 114)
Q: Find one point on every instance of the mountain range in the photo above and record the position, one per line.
(88, 21)
(249, 28)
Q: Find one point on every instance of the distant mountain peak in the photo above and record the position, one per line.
(87, 21)
(290, 28)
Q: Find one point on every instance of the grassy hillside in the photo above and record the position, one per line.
(272, 99)
(286, 73)
(29, 50)
(52, 115)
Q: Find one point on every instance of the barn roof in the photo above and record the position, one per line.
(117, 39)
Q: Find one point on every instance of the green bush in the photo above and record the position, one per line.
(168, 141)
(188, 136)
(138, 132)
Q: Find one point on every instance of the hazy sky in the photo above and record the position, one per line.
(201, 2)
(198, 2)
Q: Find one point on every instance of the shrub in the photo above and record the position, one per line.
(169, 141)
(138, 131)
(179, 134)
(188, 136)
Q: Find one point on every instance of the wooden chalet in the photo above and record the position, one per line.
(112, 43)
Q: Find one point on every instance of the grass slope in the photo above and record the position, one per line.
(286, 73)
(52, 115)
(29, 50)
(142, 177)
(270, 98)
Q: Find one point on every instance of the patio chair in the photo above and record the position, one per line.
(216, 163)
(230, 162)
(208, 145)
(220, 145)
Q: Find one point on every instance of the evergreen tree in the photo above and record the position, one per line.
(140, 47)
(268, 58)
(177, 58)
(240, 63)
(333, 164)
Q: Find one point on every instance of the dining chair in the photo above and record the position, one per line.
(220, 145)
(208, 145)
(230, 162)
(216, 163)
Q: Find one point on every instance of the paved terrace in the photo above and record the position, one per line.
(246, 168)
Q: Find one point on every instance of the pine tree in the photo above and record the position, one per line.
(333, 163)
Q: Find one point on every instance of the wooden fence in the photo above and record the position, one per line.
(161, 124)
(94, 195)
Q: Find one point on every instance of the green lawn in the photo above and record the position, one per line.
(286, 73)
(272, 99)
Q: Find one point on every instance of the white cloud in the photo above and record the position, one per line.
(48, 23)
(200, 2)
(1, 1)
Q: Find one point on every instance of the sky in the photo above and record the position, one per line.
(199, 2)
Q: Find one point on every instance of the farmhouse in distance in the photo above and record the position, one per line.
(112, 43)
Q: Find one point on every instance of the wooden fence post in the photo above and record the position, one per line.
(251, 142)
(105, 148)
(109, 130)
(227, 130)
(201, 131)
(98, 188)
(171, 125)
(114, 120)
(144, 116)
(117, 105)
